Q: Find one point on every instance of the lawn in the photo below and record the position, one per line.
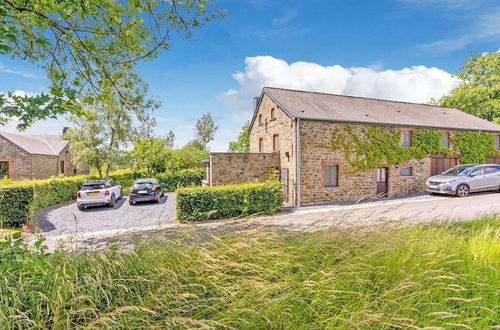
(441, 276)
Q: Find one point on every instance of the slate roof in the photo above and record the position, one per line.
(340, 108)
(43, 144)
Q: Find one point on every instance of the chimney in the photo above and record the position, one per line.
(255, 103)
(65, 129)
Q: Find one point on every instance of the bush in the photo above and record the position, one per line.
(184, 178)
(195, 204)
(15, 205)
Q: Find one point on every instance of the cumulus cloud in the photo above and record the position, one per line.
(415, 84)
(19, 73)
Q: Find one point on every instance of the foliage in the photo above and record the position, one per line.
(107, 124)
(18, 200)
(426, 276)
(81, 44)
(205, 128)
(151, 154)
(474, 147)
(365, 148)
(170, 139)
(189, 156)
(217, 202)
(184, 178)
(15, 206)
(479, 90)
(242, 144)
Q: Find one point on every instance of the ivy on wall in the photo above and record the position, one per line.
(366, 148)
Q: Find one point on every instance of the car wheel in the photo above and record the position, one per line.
(462, 190)
(81, 207)
(157, 200)
(130, 203)
(112, 201)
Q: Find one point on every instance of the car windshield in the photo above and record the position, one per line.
(93, 186)
(142, 185)
(459, 171)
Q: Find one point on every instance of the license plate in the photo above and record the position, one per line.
(93, 194)
(142, 191)
(434, 187)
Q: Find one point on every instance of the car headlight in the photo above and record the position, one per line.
(451, 181)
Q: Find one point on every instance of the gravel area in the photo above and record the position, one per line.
(67, 219)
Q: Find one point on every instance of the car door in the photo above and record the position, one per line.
(492, 174)
(477, 180)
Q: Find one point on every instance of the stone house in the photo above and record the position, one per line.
(295, 125)
(24, 156)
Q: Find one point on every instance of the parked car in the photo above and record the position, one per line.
(97, 193)
(464, 179)
(145, 190)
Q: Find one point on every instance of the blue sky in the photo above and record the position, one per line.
(393, 49)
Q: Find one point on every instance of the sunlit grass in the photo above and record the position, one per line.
(422, 276)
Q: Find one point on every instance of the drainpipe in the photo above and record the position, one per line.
(297, 165)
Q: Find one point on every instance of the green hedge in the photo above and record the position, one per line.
(19, 199)
(196, 204)
(15, 205)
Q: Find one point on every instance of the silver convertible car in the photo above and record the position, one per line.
(464, 179)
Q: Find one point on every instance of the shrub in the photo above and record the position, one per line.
(184, 178)
(195, 204)
(15, 205)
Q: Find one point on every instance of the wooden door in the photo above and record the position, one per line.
(382, 181)
(284, 183)
(441, 164)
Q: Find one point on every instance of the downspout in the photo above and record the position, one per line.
(297, 165)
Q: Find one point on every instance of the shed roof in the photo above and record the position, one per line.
(341, 108)
(42, 144)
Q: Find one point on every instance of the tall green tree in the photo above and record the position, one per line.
(206, 128)
(242, 144)
(170, 139)
(151, 154)
(106, 125)
(82, 43)
(479, 90)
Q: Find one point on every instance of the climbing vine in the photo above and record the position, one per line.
(365, 148)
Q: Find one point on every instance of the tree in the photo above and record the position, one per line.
(242, 144)
(479, 90)
(170, 139)
(151, 154)
(105, 125)
(81, 43)
(189, 156)
(205, 128)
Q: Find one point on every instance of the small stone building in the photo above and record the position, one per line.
(24, 156)
(296, 125)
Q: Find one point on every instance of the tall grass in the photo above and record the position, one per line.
(442, 276)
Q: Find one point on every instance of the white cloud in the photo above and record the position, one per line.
(20, 73)
(414, 84)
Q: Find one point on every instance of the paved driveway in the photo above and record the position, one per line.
(68, 220)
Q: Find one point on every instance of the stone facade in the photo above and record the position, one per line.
(351, 186)
(23, 165)
(234, 168)
(273, 121)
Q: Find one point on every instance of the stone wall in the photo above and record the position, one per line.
(69, 168)
(44, 166)
(353, 186)
(284, 127)
(235, 168)
(19, 160)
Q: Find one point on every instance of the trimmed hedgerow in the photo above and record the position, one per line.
(15, 205)
(19, 199)
(208, 203)
(184, 178)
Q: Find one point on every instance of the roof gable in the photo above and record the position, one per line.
(340, 108)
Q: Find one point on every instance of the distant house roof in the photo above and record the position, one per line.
(43, 144)
(350, 109)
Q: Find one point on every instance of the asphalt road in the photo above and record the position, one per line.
(68, 220)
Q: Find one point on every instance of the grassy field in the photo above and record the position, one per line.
(440, 276)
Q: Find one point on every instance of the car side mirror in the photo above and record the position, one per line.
(472, 175)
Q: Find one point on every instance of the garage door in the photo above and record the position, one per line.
(493, 160)
(441, 164)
